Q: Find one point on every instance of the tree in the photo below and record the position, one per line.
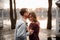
(49, 23)
(15, 13)
(13, 19)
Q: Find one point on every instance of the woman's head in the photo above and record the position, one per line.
(32, 17)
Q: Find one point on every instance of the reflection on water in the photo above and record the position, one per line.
(43, 23)
(1, 34)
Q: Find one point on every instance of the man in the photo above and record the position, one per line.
(21, 26)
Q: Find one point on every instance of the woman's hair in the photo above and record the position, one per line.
(33, 15)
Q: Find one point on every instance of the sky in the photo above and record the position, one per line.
(27, 3)
(31, 3)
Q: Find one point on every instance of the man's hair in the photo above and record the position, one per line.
(22, 11)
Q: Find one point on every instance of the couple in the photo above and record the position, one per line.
(22, 30)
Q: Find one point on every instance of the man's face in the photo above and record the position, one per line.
(26, 14)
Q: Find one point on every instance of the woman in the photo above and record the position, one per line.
(34, 25)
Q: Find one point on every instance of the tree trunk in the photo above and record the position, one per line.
(13, 19)
(11, 13)
(49, 24)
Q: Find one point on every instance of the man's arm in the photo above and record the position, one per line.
(21, 30)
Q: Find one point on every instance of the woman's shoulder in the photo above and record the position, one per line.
(37, 23)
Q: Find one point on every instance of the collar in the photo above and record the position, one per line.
(24, 19)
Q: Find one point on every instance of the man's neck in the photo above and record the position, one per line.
(24, 18)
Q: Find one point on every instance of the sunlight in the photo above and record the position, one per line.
(6, 5)
(31, 4)
(43, 24)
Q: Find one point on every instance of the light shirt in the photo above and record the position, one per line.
(21, 31)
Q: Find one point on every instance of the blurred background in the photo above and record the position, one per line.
(45, 10)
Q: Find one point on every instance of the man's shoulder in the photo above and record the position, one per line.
(20, 21)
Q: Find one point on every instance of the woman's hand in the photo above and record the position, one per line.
(31, 31)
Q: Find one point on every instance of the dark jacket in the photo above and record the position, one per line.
(35, 27)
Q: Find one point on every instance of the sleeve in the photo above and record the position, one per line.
(27, 34)
(15, 33)
(22, 30)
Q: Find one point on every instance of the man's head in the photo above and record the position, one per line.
(24, 12)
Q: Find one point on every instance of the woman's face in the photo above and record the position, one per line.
(30, 18)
